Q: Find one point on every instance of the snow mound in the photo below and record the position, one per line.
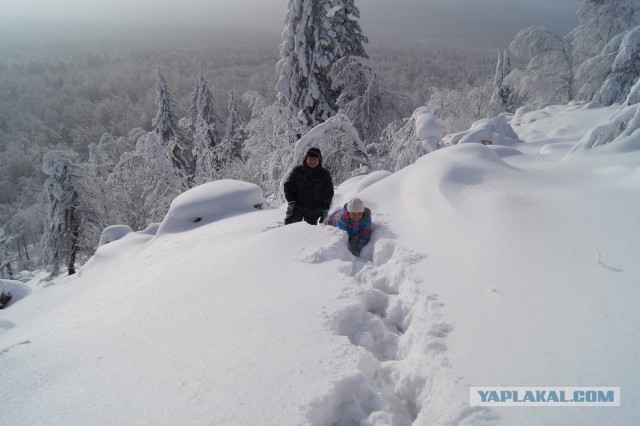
(354, 186)
(488, 131)
(113, 233)
(211, 202)
(17, 289)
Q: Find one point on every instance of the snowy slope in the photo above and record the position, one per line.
(490, 266)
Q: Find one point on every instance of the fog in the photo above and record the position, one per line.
(495, 21)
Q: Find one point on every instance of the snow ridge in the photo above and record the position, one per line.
(404, 377)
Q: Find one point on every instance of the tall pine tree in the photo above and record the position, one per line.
(234, 133)
(317, 34)
(206, 131)
(165, 124)
(501, 92)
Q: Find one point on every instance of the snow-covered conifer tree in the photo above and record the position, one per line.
(165, 124)
(317, 34)
(234, 134)
(500, 97)
(207, 131)
(366, 99)
(66, 214)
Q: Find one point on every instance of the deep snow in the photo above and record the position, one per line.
(511, 265)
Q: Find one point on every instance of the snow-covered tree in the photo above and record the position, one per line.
(6, 257)
(165, 124)
(619, 135)
(207, 133)
(456, 110)
(599, 22)
(592, 73)
(500, 97)
(548, 75)
(230, 149)
(104, 155)
(366, 99)
(143, 184)
(267, 148)
(624, 71)
(419, 135)
(317, 34)
(68, 213)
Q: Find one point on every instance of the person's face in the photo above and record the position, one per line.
(313, 162)
(356, 216)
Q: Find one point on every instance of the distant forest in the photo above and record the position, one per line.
(68, 94)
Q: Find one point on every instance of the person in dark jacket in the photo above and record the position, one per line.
(308, 190)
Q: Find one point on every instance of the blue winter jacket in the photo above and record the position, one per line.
(359, 232)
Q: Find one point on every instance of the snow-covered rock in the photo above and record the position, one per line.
(211, 202)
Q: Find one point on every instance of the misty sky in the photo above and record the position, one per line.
(380, 19)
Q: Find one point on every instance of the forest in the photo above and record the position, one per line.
(101, 132)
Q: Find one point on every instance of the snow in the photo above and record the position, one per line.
(489, 266)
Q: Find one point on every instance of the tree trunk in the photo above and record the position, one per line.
(71, 267)
(24, 245)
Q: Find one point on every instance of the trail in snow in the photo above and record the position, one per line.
(405, 367)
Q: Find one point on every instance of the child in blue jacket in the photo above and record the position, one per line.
(354, 218)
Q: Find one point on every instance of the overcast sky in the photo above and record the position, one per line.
(414, 19)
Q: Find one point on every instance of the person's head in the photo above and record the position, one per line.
(355, 207)
(313, 157)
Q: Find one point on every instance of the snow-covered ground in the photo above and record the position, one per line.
(490, 266)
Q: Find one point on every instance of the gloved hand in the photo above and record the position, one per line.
(323, 215)
(290, 209)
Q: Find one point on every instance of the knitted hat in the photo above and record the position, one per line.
(314, 152)
(355, 205)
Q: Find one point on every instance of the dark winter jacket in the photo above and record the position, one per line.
(359, 232)
(310, 188)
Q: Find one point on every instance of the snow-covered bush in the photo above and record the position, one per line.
(420, 135)
(620, 134)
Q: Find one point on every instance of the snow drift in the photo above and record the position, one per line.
(489, 266)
